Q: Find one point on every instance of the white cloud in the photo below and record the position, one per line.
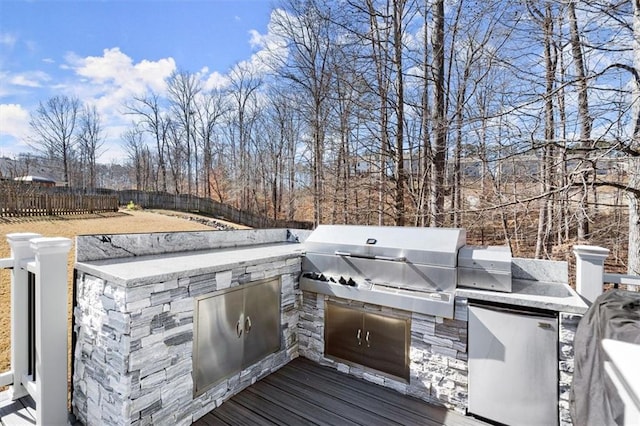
(110, 80)
(8, 40)
(116, 68)
(30, 79)
(216, 81)
(256, 40)
(271, 49)
(31, 46)
(14, 120)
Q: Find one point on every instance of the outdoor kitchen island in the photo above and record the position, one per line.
(435, 278)
(146, 303)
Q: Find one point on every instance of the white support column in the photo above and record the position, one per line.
(51, 329)
(589, 270)
(20, 252)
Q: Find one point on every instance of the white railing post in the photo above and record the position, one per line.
(590, 270)
(20, 252)
(51, 329)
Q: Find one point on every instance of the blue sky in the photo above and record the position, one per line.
(104, 51)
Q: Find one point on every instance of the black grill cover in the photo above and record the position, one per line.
(594, 400)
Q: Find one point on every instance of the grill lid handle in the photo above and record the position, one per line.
(389, 258)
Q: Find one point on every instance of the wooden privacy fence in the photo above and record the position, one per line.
(68, 201)
(44, 204)
(182, 202)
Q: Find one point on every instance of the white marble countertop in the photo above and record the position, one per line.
(140, 270)
(533, 294)
(153, 268)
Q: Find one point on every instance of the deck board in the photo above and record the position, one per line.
(310, 411)
(304, 392)
(343, 408)
(234, 412)
(381, 408)
(18, 413)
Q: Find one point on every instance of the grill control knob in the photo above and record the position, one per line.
(342, 281)
(351, 282)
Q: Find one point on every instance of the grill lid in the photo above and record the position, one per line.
(427, 246)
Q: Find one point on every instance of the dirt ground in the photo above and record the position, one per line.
(70, 226)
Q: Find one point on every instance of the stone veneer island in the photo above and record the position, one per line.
(135, 301)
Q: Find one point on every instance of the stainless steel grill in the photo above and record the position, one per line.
(401, 267)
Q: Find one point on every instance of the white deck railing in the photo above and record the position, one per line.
(590, 274)
(631, 282)
(38, 353)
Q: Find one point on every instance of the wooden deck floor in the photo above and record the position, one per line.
(305, 393)
(23, 412)
(17, 413)
(301, 393)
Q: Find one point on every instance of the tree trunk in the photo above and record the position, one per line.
(585, 121)
(546, 206)
(440, 143)
(633, 265)
(398, 11)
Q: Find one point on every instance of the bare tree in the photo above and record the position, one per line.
(279, 133)
(53, 125)
(380, 38)
(209, 109)
(176, 154)
(399, 173)
(150, 114)
(306, 28)
(183, 88)
(245, 84)
(139, 156)
(620, 116)
(633, 266)
(584, 118)
(439, 117)
(90, 141)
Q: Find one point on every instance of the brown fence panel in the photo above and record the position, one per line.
(42, 204)
(66, 201)
(181, 202)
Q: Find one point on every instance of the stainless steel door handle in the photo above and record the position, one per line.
(366, 338)
(544, 325)
(247, 324)
(359, 337)
(238, 329)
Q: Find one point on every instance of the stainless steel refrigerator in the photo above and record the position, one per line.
(513, 365)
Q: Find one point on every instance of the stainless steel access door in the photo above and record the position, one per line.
(261, 321)
(343, 333)
(234, 328)
(374, 340)
(218, 343)
(513, 366)
(387, 344)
